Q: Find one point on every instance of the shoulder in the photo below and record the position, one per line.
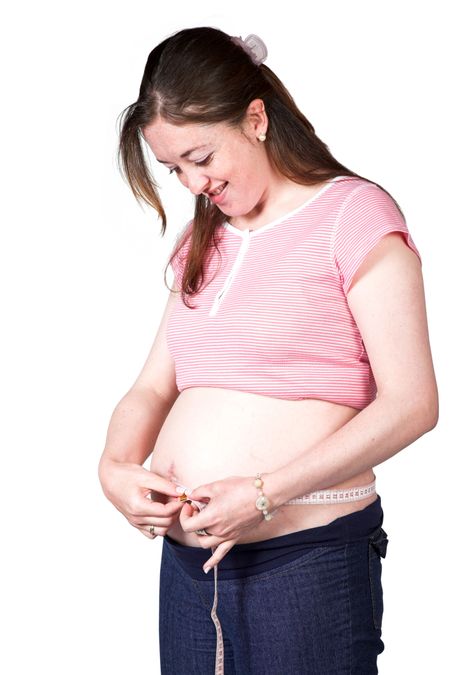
(355, 189)
(367, 214)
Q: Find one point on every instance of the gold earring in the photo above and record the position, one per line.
(262, 137)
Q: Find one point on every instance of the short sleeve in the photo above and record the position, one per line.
(177, 271)
(178, 262)
(367, 215)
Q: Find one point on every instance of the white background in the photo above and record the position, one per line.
(82, 294)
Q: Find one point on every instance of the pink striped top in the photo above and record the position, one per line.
(275, 319)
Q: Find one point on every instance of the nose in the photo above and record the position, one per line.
(197, 183)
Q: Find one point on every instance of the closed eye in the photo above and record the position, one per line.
(204, 162)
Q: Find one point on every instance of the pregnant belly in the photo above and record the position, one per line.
(212, 433)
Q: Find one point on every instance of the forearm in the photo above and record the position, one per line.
(375, 434)
(134, 427)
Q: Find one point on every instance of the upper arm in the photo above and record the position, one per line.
(158, 372)
(387, 300)
(380, 271)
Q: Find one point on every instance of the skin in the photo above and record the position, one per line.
(386, 298)
(256, 191)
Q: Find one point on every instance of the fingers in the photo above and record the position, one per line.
(147, 507)
(144, 520)
(192, 519)
(203, 491)
(205, 540)
(146, 532)
(219, 554)
(187, 513)
(152, 530)
(156, 482)
(161, 516)
(159, 526)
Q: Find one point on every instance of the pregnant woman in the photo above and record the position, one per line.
(292, 358)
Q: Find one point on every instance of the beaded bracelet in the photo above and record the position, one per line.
(262, 503)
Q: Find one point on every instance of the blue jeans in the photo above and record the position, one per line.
(318, 614)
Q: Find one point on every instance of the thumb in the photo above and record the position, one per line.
(160, 484)
(186, 513)
(202, 493)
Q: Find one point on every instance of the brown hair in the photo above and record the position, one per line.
(199, 75)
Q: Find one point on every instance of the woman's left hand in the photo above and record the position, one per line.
(230, 510)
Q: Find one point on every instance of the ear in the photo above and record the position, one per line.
(257, 121)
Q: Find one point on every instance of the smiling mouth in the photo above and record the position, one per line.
(220, 189)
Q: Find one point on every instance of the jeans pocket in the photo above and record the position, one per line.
(377, 546)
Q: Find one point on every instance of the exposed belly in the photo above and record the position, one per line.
(212, 433)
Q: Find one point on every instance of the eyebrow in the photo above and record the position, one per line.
(185, 154)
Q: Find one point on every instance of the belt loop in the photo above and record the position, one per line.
(379, 541)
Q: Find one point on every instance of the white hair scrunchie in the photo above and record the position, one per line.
(254, 47)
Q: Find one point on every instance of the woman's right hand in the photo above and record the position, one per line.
(129, 488)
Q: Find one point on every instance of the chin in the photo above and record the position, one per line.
(232, 211)
(224, 210)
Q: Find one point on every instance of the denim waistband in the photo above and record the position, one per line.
(260, 556)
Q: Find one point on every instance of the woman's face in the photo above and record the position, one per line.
(205, 157)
